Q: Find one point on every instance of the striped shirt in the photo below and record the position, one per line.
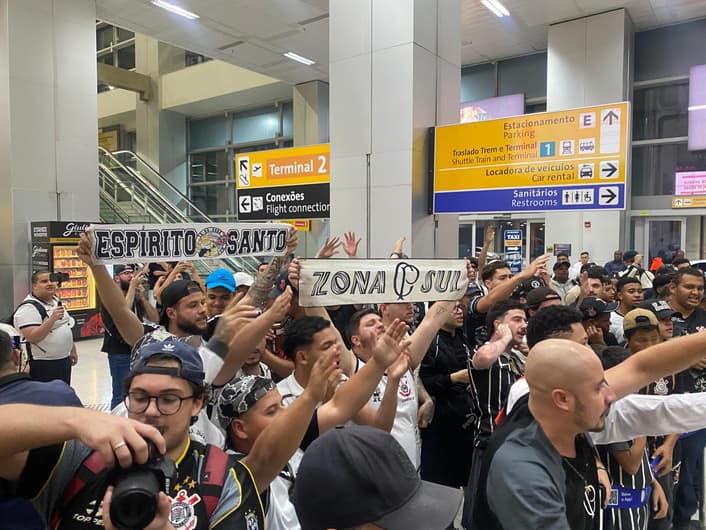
(489, 391)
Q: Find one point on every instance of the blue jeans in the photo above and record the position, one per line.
(119, 368)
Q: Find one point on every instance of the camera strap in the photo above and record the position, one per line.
(213, 476)
(92, 466)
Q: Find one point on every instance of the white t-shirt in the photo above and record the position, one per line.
(404, 426)
(616, 326)
(59, 341)
(281, 514)
(289, 389)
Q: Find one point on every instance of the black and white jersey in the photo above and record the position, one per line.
(489, 391)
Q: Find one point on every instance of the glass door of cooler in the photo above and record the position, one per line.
(78, 291)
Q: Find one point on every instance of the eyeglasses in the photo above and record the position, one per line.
(458, 308)
(167, 404)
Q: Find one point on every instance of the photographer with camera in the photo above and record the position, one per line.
(46, 326)
(164, 479)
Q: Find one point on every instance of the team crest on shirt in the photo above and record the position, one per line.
(661, 387)
(182, 514)
(251, 522)
(405, 389)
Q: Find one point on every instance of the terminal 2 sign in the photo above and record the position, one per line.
(568, 160)
(283, 184)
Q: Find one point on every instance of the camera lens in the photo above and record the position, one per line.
(134, 502)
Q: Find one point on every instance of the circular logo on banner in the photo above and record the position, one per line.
(210, 242)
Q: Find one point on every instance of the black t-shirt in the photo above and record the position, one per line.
(691, 380)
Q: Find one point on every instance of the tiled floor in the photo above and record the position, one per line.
(91, 376)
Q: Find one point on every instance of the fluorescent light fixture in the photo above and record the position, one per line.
(175, 9)
(294, 57)
(698, 107)
(496, 8)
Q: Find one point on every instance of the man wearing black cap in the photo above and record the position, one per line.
(560, 281)
(540, 298)
(596, 320)
(132, 286)
(360, 477)
(664, 314)
(165, 390)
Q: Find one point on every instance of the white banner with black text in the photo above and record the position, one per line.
(324, 282)
(185, 242)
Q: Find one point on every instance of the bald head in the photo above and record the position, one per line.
(567, 386)
(558, 363)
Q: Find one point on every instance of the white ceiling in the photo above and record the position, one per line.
(255, 33)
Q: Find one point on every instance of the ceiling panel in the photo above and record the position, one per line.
(271, 27)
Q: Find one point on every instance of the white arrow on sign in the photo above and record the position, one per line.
(244, 204)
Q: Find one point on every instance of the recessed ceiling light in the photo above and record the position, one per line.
(294, 57)
(175, 9)
(496, 8)
(698, 107)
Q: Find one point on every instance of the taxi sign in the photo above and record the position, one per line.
(567, 160)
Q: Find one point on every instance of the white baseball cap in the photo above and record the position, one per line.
(243, 278)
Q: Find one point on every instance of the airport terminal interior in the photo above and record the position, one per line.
(560, 126)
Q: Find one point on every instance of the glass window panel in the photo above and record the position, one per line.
(478, 82)
(208, 132)
(654, 166)
(126, 57)
(288, 119)
(104, 37)
(258, 124)
(213, 199)
(124, 34)
(661, 112)
(465, 240)
(106, 58)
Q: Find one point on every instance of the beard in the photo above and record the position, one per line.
(124, 285)
(193, 328)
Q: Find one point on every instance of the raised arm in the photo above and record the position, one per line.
(487, 241)
(27, 427)
(278, 442)
(257, 294)
(487, 354)
(351, 396)
(127, 323)
(426, 331)
(654, 362)
(504, 290)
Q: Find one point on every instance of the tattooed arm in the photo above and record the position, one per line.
(260, 289)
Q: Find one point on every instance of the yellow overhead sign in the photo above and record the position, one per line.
(574, 159)
(689, 201)
(283, 167)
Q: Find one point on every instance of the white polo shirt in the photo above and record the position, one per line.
(59, 341)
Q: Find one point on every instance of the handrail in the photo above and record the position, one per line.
(145, 184)
(113, 206)
(162, 180)
(150, 200)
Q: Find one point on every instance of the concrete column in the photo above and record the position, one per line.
(48, 118)
(161, 134)
(311, 127)
(394, 72)
(590, 63)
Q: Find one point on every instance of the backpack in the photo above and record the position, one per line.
(42, 313)
(213, 475)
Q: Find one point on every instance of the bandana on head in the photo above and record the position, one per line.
(241, 394)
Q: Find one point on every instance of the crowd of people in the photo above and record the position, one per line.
(570, 399)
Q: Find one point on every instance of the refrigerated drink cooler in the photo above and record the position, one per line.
(54, 249)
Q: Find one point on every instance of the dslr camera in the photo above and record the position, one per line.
(136, 490)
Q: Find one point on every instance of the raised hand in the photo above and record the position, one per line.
(281, 305)
(293, 271)
(329, 248)
(292, 241)
(84, 250)
(350, 245)
(235, 317)
(387, 347)
(324, 374)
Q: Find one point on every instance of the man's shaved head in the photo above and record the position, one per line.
(566, 380)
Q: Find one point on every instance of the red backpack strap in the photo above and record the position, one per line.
(213, 476)
(89, 468)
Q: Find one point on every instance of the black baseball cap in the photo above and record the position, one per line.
(660, 308)
(190, 362)
(591, 307)
(117, 269)
(560, 264)
(526, 286)
(174, 292)
(356, 474)
(539, 295)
